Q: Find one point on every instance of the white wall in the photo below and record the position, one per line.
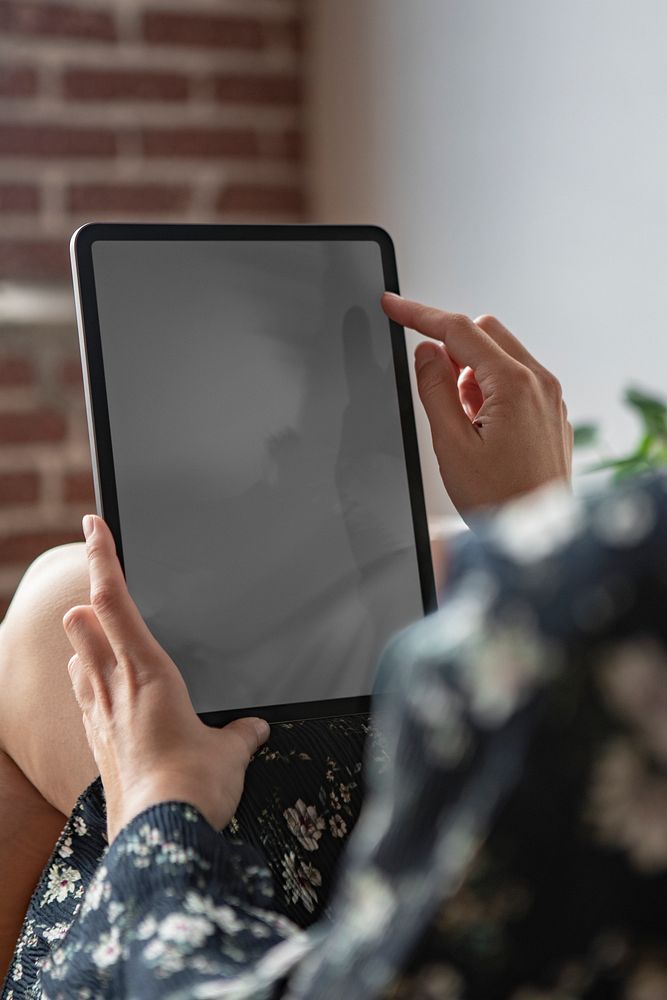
(517, 151)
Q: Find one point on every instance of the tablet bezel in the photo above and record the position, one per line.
(97, 411)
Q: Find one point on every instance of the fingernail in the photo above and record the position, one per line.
(392, 295)
(426, 352)
(262, 728)
(88, 525)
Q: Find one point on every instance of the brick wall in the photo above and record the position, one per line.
(118, 109)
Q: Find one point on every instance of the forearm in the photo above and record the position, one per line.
(173, 904)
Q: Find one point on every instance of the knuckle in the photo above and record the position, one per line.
(524, 380)
(459, 321)
(104, 598)
(73, 621)
(551, 385)
(486, 319)
(95, 549)
(430, 385)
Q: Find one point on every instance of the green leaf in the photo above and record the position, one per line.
(621, 466)
(585, 434)
(652, 411)
(651, 449)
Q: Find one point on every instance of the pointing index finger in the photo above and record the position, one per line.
(467, 344)
(116, 611)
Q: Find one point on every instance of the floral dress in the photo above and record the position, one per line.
(513, 838)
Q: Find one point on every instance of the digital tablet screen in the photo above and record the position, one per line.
(260, 474)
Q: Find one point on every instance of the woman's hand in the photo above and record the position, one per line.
(144, 734)
(498, 420)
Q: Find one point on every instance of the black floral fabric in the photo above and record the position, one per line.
(513, 838)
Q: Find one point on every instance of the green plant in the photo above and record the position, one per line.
(651, 449)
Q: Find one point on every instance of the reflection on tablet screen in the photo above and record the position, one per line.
(262, 490)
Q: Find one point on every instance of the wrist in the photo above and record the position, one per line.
(153, 792)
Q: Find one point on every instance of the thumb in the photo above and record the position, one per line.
(436, 381)
(250, 733)
(83, 689)
(470, 393)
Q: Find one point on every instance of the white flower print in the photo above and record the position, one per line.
(226, 919)
(56, 933)
(345, 791)
(62, 882)
(224, 916)
(633, 678)
(439, 982)
(176, 854)
(623, 521)
(627, 806)
(147, 928)
(194, 903)
(115, 910)
(165, 956)
(65, 849)
(98, 892)
(648, 982)
(259, 930)
(338, 826)
(183, 929)
(150, 834)
(300, 879)
(108, 950)
(79, 826)
(536, 526)
(18, 971)
(305, 824)
(504, 666)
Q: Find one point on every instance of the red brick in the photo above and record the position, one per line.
(15, 370)
(198, 142)
(70, 373)
(248, 88)
(78, 488)
(18, 488)
(124, 84)
(55, 20)
(285, 145)
(32, 426)
(33, 259)
(283, 35)
(136, 198)
(45, 140)
(220, 31)
(26, 546)
(18, 81)
(18, 198)
(260, 198)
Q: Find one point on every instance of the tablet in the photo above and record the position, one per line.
(255, 455)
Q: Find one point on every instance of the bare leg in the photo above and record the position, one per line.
(29, 827)
(40, 722)
(45, 761)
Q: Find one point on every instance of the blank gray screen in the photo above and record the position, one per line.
(261, 480)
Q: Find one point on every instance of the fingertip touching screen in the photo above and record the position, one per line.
(263, 498)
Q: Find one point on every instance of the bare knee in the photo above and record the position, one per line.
(58, 578)
(40, 724)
